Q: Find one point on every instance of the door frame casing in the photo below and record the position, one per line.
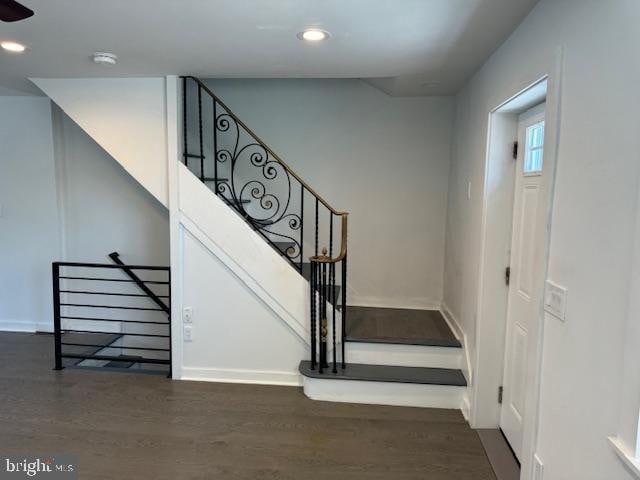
(490, 329)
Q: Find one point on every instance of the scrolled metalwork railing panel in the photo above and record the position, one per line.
(257, 185)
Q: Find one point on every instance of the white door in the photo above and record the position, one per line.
(526, 277)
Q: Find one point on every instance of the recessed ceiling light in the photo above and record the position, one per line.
(431, 84)
(313, 35)
(105, 58)
(13, 47)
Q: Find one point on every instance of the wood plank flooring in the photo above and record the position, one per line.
(127, 426)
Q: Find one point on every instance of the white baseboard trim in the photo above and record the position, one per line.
(452, 321)
(466, 406)
(625, 455)
(359, 301)
(232, 375)
(455, 326)
(27, 327)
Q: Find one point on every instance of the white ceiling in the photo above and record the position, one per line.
(397, 45)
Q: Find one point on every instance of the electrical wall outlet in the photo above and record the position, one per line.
(538, 468)
(187, 315)
(555, 300)
(187, 333)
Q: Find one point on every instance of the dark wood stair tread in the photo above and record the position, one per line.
(388, 373)
(399, 326)
(427, 342)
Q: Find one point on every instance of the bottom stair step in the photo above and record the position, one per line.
(386, 385)
(387, 373)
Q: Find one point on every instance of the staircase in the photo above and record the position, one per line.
(357, 354)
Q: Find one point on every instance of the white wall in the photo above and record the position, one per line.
(29, 237)
(126, 116)
(104, 209)
(593, 217)
(383, 159)
(63, 198)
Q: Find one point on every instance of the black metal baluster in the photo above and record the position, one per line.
(313, 281)
(184, 122)
(57, 330)
(344, 307)
(325, 326)
(301, 228)
(200, 131)
(169, 318)
(321, 318)
(332, 270)
(316, 248)
(330, 233)
(215, 145)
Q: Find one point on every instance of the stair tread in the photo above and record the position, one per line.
(399, 326)
(388, 373)
(426, 342)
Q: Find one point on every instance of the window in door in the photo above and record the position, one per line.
(534, 147)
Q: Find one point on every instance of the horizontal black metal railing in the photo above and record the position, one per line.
(79, 289)
(273, 199)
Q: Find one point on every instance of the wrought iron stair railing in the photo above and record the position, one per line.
(274, 200)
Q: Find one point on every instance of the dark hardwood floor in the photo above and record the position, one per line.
(397, 325)
(128, 426)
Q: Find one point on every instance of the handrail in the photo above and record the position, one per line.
(115, 256)
(265, 146)
(343, 247)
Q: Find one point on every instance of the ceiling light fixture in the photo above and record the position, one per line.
(104, 58)
(313, 35)
(13, 47)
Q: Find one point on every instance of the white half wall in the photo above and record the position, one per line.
(29, 236)
(593, 219)
(249, 305)
(126, 116)
(235, 336)
(383, 159)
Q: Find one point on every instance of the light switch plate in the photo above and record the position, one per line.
(187, 315)
(555, 300)
(187, 333)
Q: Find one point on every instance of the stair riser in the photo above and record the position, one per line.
(384, 393)
(403, 355)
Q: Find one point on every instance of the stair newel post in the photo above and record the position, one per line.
(313, 280)
(301, 226)
(200, 132)
(215, 144)
(323, 306)
(57, 329)
(332, 274)
(343, 312)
